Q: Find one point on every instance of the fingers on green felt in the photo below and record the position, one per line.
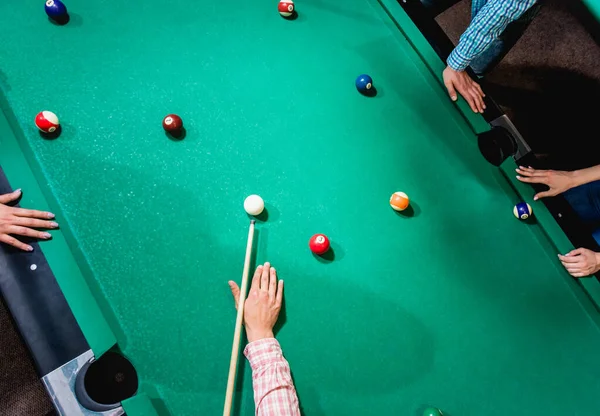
(570, 257)
(432, 411)
(531, 175)
(477, 99)
(34, 223)
(571, 260)
(530, 171)
(256, 279)
(264, 278)
(28, 232)
(279, 297)
(451, 90)
(528, 179)
(32, 213)
(469, 100)
(273, 284)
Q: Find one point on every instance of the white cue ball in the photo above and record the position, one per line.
(254, 205)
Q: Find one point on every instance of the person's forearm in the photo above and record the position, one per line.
(583, 176)
(486, 26)
(274, 392)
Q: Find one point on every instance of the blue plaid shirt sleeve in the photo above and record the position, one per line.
(489, 22)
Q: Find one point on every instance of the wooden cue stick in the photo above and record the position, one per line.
(235, 349)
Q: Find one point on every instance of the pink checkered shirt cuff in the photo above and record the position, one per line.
(274, 392)
(263, 352)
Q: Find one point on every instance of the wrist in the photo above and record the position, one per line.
(576, 178)
(258, 335)
(456, 62)
(597, 256)
(587, 175)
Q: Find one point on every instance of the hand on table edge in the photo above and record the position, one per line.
(23, 222)
(557, 181)
(470, 90)
(581, 262)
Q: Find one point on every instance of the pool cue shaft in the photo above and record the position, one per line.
(235, 349)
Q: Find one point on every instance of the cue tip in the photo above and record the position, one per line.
(252, 221)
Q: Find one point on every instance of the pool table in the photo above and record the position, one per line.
(453, 303)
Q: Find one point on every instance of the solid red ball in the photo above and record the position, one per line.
(172, 123)
(319, 244)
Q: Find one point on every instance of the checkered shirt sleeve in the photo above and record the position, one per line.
(274, 392)
(486, 26)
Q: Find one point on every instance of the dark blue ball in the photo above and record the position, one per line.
(55, 9)
(522, 210)
(364, 83)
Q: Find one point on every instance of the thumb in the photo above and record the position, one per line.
(451, 91)
(542, 195)
(13, 196)
(235, 292)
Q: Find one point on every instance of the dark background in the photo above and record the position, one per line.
(549, 83)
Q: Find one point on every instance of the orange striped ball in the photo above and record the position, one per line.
(399, 201)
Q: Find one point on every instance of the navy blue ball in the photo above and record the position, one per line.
(55, 9)
(364, 83)
(522, 210)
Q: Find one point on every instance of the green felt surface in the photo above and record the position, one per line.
(14, 161)
(594, 7)
(140, 404)
(456, 304)
(555, 239)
